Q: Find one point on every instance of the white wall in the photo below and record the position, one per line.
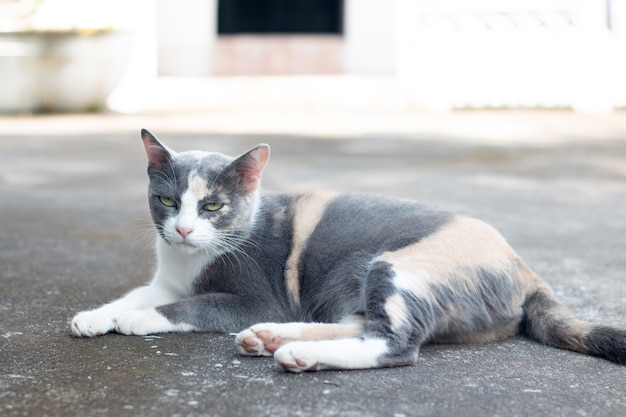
(369, 37)
(186, 36)
(518, 53)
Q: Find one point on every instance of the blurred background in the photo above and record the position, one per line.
(382, 55)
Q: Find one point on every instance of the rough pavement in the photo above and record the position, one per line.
(75, 232)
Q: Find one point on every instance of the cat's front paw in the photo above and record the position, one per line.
(148, 321)
(92, 323)
(140, 322)
(263, 339)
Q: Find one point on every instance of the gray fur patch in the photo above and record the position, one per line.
(353, 231)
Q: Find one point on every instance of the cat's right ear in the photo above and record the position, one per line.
(159, 156)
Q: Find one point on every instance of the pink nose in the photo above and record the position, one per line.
(184, 231)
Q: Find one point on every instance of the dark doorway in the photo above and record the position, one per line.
(280, 17)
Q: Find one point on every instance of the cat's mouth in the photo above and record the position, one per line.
(187, 247)
(186, 244)
(183, 244)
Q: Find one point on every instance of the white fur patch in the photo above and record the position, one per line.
(92, 323)
(188, 212)
(177, 270)
(149, 321)
(416, 281)
(396, 311)
(104, 319)
(331, 354)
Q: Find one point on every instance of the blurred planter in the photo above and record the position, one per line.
(61, 71)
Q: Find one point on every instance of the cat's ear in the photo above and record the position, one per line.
(250, 165)
(159, 156)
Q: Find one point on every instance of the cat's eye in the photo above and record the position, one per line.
(213, 206)
(166, 201)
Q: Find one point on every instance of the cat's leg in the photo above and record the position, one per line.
(135, 313)
(211, 312)
(407, 304)
(372, 350)
(396, 324)
(390, 337)
(104, 319)
(265, 338)
(150, 321)
(353, 353)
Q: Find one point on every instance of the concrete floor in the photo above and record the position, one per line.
(74, 232)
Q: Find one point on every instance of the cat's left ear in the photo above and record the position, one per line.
(250, 165)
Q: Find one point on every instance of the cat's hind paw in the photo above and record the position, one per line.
(257, 343)
(298, 357)
(265, 338)
(92, 323)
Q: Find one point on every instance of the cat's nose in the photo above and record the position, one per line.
(184, 231)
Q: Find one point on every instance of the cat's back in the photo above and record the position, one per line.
(345, 222)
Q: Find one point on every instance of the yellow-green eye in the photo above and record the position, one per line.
(213, 206)
(166, 201)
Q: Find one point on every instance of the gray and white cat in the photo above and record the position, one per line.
(337, 281)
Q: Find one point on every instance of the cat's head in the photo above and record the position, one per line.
(202, 201)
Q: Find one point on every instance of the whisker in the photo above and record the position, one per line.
(234, 242)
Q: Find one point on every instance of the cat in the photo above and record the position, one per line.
(336, 281)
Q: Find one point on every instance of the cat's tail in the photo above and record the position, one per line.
(549, 322)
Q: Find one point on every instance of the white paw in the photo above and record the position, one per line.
(142, 322)
(265, 338)
(298, 357)
(92, 323)
(352, 353)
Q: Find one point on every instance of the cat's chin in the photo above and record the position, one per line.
(185, 247)
(182, 247)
